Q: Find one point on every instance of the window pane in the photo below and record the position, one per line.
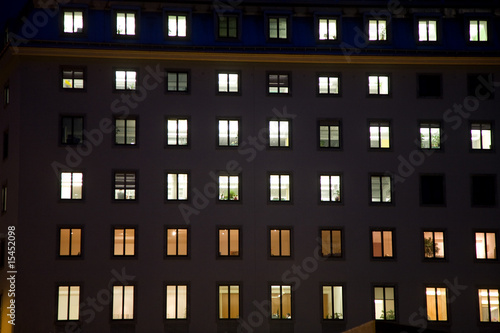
(64, 247)
(372, 30)
(273, 28)
(276, 302)
(223, 302)
(422, 31)
(483, 31)
(285, 242)
(128, 306)
(181, 26)
(117, 302)
(274, 133)
(63, 303)
(74, 303)
(119, 242)
(223, 82)
(233, 82)
(182, 302)
(171, 302)
(130, 24)
(275, 187)
(326, 243)
(275, 242)
(373, 85)
(491, 245)
(382, 30)
(336, 243)
(383, 85)
(386, 189)
(129, 242)
(377, 243)
(337, 302)
(387, 243)
(223, 242)
(287, 302)
(233, 132)
(172, 242)
(375, 185)
(473, 31)
(76, 236)
(432, 31)
(234, 242)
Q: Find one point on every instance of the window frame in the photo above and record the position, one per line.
(343, 289)
(381, 202)
(188, 133)
(329, 122)
(481, 123)
(329, 75)
(380, 123)
(176, 12)
(292, 297)
(71, 9)
(114, 228)
(488, 289)
(340, 190)
(229, 174)
(218, 248)
(331, 256)
(126, 70)
(134, 303)
(288, 138)
(388, 33)
(188, 242)
(495, 233)
(478, 19)
(279, 74)
(137, 20)
(135, 185)
(136, 133)
(423, 203)
(290, 188)
(384, 300)
(177, 72)
(338, 25)
(288, 23)
(382, 247)
(71, 199)
(240, 298)
(217, 139)
(61, 129)
(80, 292)
(73, 69)
(218, 92)
(280, 256)
(427, 18)
(379, 76)
(425, 246)
(165, 300)
(188, 189)
(232, 14)
(436, 306)
(431, 124)
(59, 240)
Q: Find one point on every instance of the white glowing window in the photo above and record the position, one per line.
(333, 308)
(125, 131)
(177, 186)
(489, 305)
(279, 133)
(177, 81)
(125, 80)
(229, 188)
(73, 21)
(385, 303)
(123, 302)
(124, 242)
(278, 84)
(228, 133)
(228, 82)
(125, 24)
(177, 132)
(281, 302)
(430, 136)
(486, 245)
(229, 242)
(377, 30)
(177, 25)
(327, 29)
(436, 304)
(70, 242)
(125, 185)
(378, 85)
(278, 28)
(380, 135)
(71, 185)
(328, 85)
(381, 189)
(176, 299)
(427, 30)
(433, 244)
(478, 30)
(382, 244)
(481, 136)
(330, 187)
(68, 303)
(177, 242)
(329, 134)
(73, 78)
(279, 187)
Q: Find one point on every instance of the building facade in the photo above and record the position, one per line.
(250, 166)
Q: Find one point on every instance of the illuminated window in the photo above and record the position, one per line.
(228, 82)
(124, 242)
(381, 189)
(125, 80)
(125, 131)
(73, 78)
(228, 132)
(71, 130)
(229, 188)
(278, 28)
(483, 192)
(278, 83)
(430, 135)
(177, 242)
(385, 303)
(432, 190)
(71, 185)
(177, 25)
(377, 30)
(177, 132)
(488, 305)
(478, 30)
(378, 85)
(281, 302)
(68, 303)
(228, 26)
(123, 302)
(481, 136)
(280, 187)
(70, 242)
(6, 95)
(327, 29)
(434, 244)
(229, 242)
(486, 245)
(436, 304)
(427, 30)
(331, 243)
(177, 81)
(176, 299)
(125, 23)
(279, 133)
(330, 188)
(333, 299)
(125, 185)
(329, 134)
(328, 84)
(380, 134)
(382, 244)
(280, 242)
(177, 186)
(229, 301)
(73, 21)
